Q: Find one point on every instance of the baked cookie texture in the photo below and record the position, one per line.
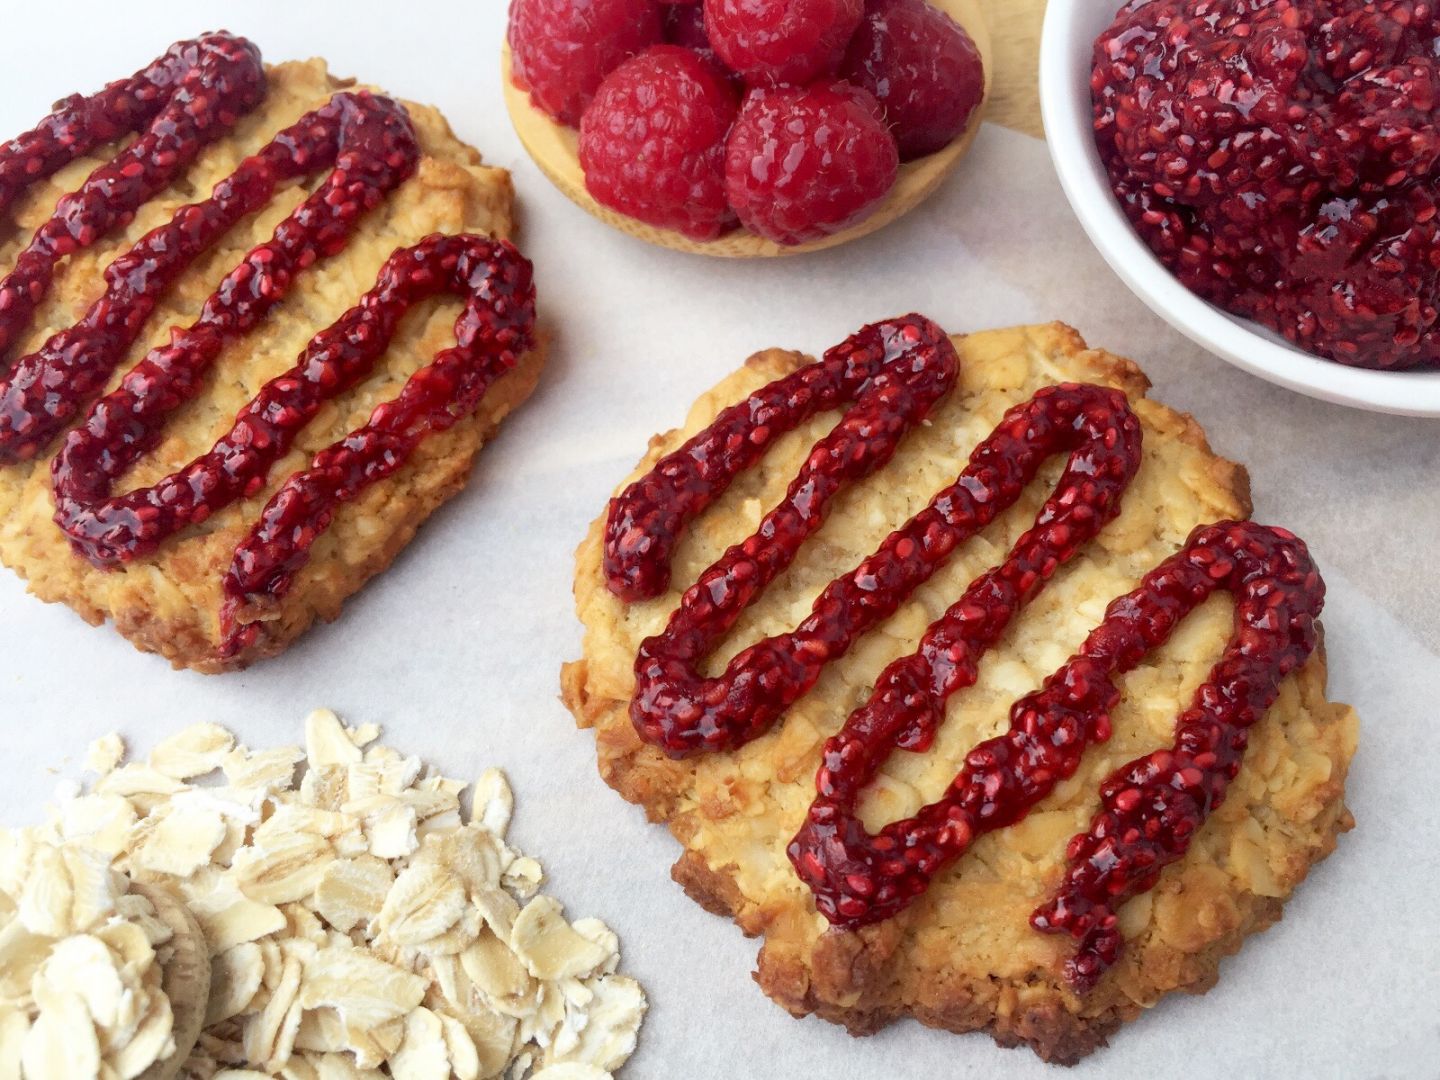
(964, 957)
(169, 602)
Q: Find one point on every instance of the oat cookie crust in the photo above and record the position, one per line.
(964, 957)
(169, 602)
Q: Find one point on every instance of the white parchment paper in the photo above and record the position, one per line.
(456, 650)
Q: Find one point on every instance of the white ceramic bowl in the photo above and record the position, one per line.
(1071, 27)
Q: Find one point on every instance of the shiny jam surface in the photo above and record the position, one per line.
(365, 142)
(892, 374)
(493, 329)
(1280, 156)
(1151, 807)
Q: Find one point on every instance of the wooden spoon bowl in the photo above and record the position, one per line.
(555, 149)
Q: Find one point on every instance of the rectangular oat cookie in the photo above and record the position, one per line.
(169, 600)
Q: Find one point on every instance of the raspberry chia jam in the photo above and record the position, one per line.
(1279, 156)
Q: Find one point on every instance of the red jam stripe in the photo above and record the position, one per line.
(372, 147)
(189, 97)
(1152, 807)
(681, 711)
(890, 374)
(893, 373)
(492, 331)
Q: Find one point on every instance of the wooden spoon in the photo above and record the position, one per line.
(187, 978)
(554, 147)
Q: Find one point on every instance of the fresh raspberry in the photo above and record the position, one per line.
(922, 67)
(781, 41)
(802, 163)
(562, 49)
(652, 143)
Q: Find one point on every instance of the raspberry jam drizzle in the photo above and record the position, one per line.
(371, 145)
(681, 711)
(492, 331)
(890, 373)
(194, 93)
(893, 372)
(189, 97)
(1151, 808)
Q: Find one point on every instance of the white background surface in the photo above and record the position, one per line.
(456, 650)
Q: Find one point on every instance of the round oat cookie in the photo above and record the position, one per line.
(168, 601)
(964, 956)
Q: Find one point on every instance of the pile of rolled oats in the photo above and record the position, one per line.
(81, 965)
(358, 925)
